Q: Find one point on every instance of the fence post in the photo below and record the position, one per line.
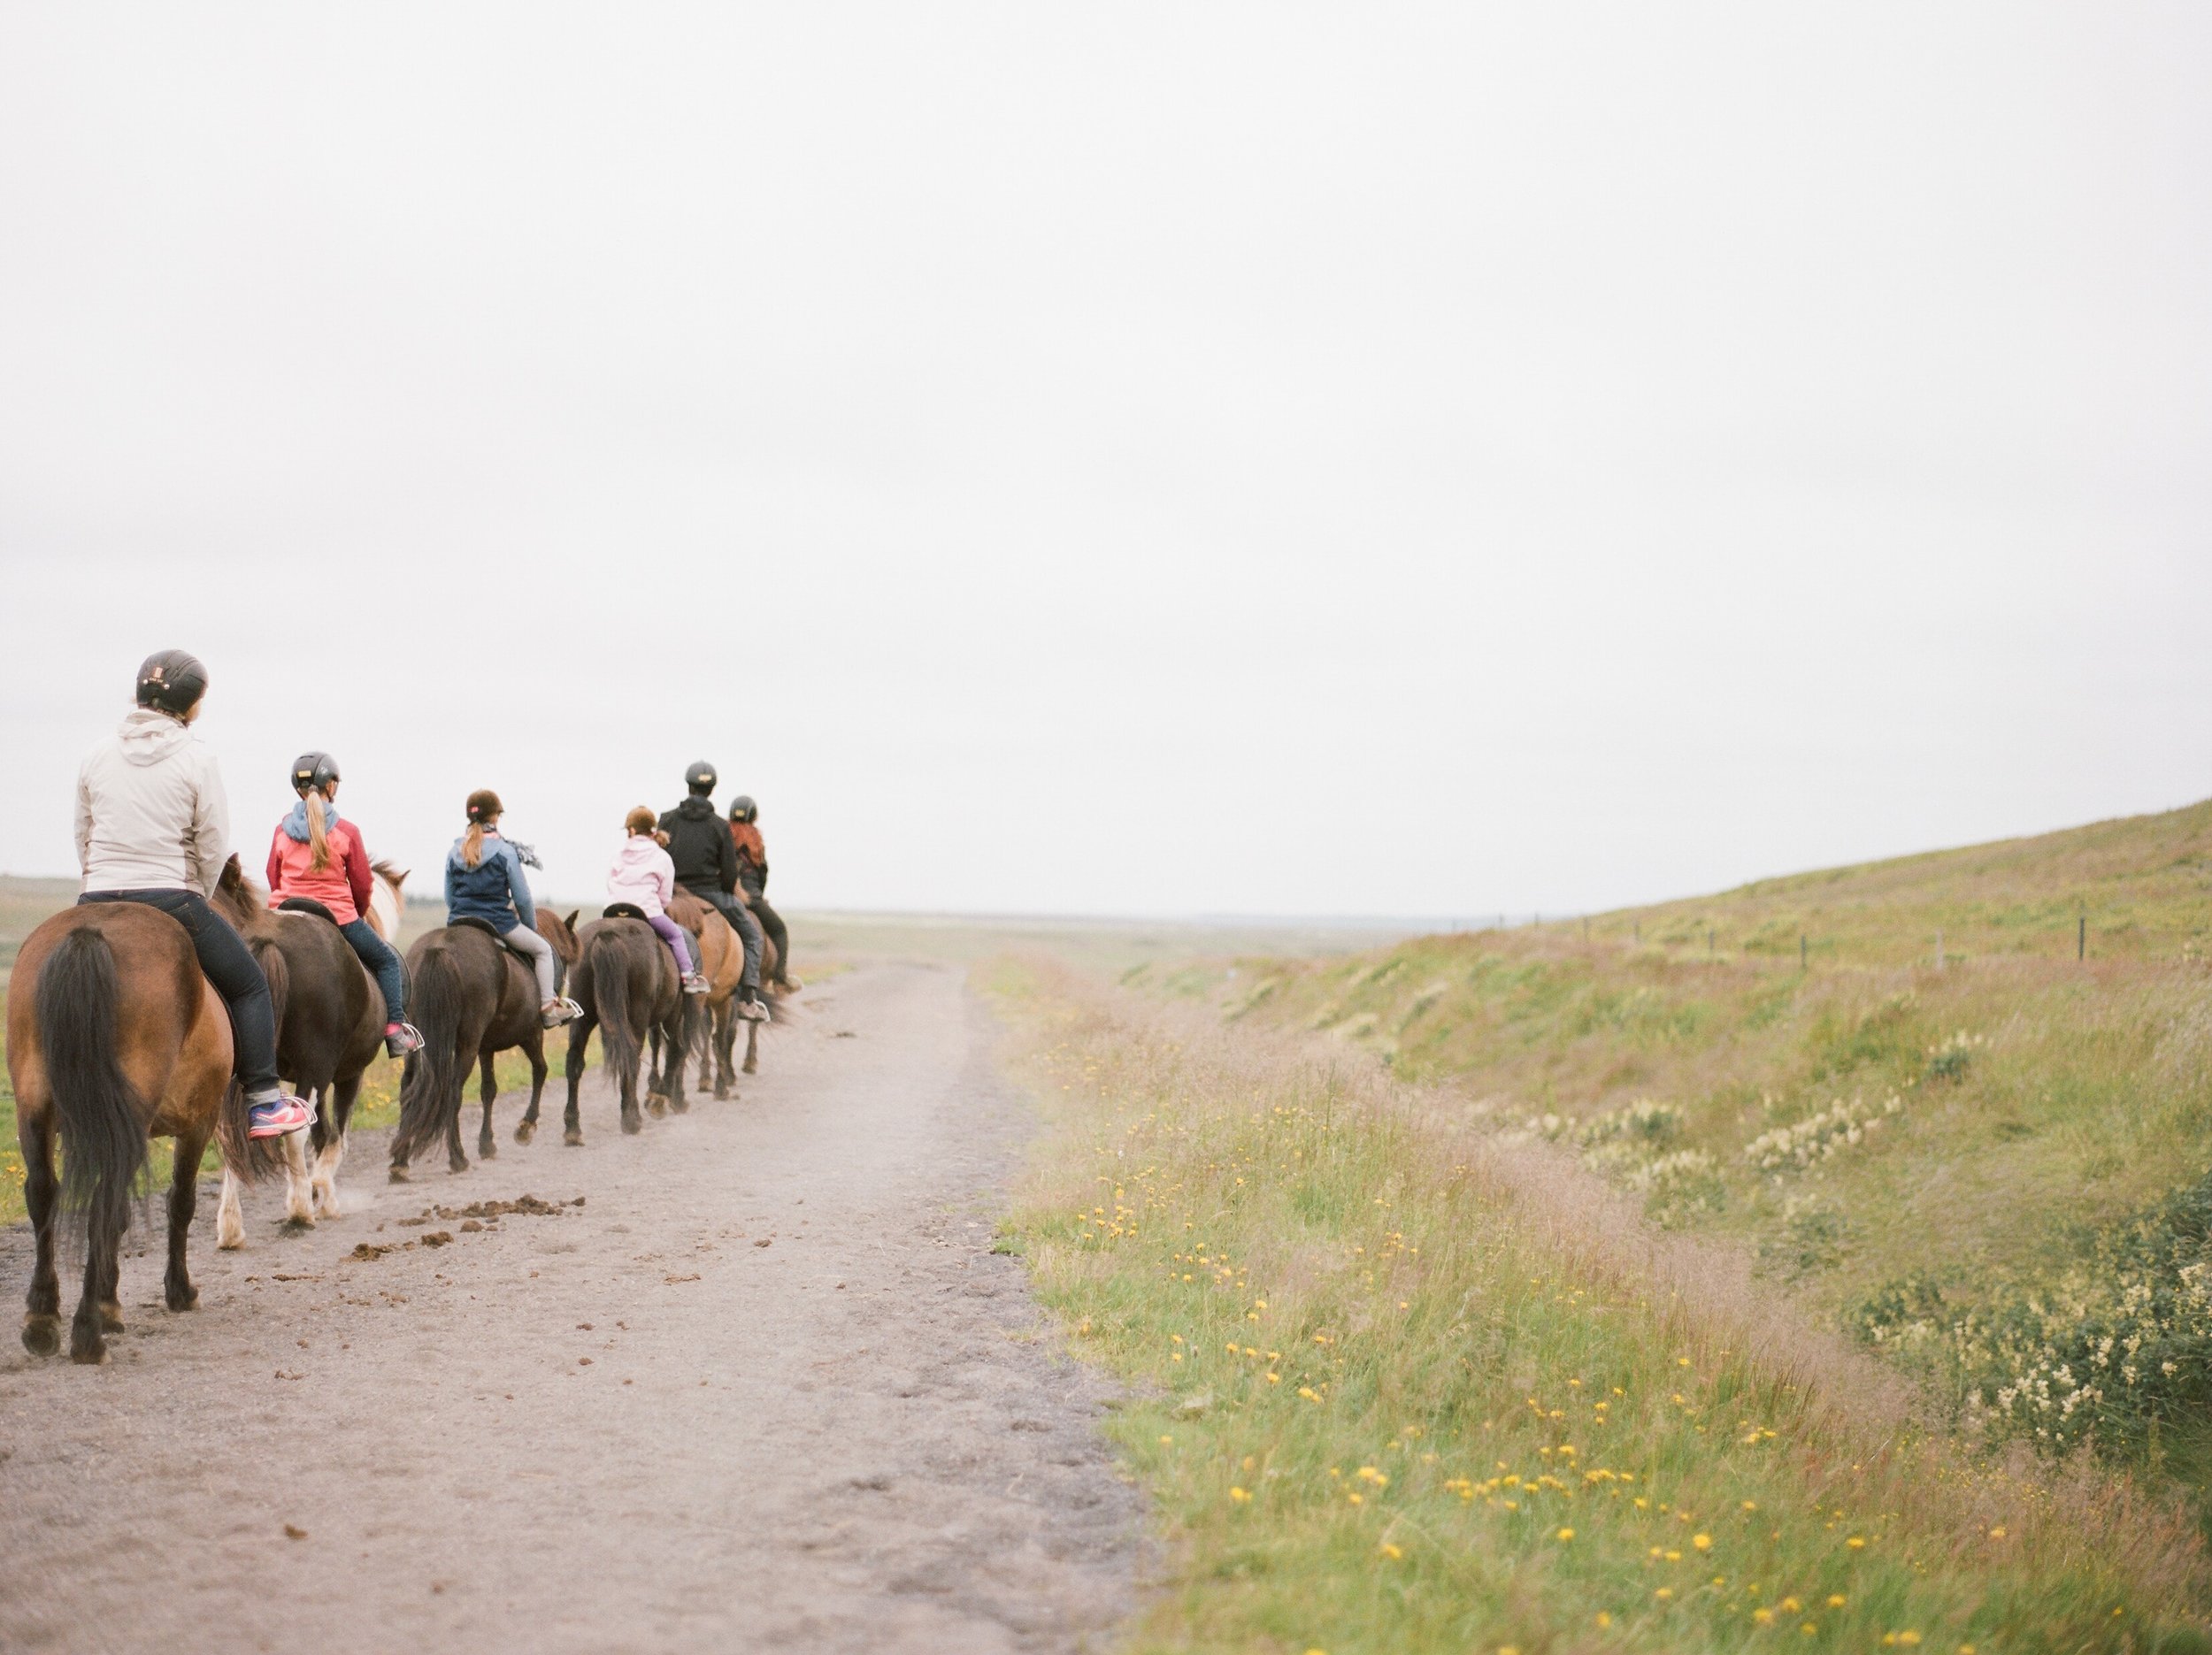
(2081, 939)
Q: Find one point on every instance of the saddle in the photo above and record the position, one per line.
(622, 910)
(306, 905)
(480, 923)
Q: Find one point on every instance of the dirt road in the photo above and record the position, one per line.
(766, 1387)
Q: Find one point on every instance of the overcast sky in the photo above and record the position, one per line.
(1124, 459)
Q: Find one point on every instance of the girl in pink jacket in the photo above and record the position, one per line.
(643, 874)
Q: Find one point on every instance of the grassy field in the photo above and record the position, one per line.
(1404, 1385)
(1989, 1165)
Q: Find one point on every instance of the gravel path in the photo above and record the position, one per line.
(765, 1388)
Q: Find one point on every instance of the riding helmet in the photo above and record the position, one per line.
(483, 805)
(313, 771)
(744, 809)
(700, 778)
(171, 681)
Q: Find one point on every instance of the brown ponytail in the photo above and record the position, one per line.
(318, 832)
(483, 806)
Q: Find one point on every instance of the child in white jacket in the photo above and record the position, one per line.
(643, 874)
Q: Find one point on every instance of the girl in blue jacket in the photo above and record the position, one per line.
(483, 880)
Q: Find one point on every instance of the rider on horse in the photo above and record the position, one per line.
(644, 876)
(153, 826)
(706, 865)
(316, 856)
(752, 873)
(484, 882)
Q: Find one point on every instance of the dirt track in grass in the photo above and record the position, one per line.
(767, 1388)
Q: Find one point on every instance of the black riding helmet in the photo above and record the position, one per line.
(313, 771)
(699, 778)
(173, 681)
(744, 809)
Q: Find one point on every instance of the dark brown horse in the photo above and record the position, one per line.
(625, 981)
(119, 1038)
(472, 998)
(330, 1026)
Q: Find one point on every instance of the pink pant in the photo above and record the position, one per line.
(678, 944)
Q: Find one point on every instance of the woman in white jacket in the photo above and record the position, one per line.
(153, 826)
(645, 875)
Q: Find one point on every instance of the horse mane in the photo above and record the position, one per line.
(238, 899)
(397, 876)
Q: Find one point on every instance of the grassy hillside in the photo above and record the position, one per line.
(1992, 1168)
(1400, 1384)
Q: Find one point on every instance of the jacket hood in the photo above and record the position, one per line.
(693, 808)
(639, 848)
(150, 736)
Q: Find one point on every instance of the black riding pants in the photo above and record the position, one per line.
(744, 925)
(228, 964)
(772, 923)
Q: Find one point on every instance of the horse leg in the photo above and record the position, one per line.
(485, 1149)
(41, 1327)
(456, 1160)
(752, 1049)
(97, 1312)
(184, 1191)
(725, 1048)
(331, 1155)
(679, 1054)
(655, 1094)
(526, 1128)
(230, 1218)
(299, 1198)
(573, 1123)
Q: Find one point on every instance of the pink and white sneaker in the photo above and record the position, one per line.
(274, 1117)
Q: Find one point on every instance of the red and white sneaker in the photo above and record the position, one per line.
(274, 1117)
(400, 1038)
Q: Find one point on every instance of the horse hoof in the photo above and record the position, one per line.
(524, 1132)
(574, 1139)
(298, 1223)
(188, 1300)
(486, 1150)
(41, 1335)
(86, 1346)
(632, 1126)
(458, 1165)
(111, 1317)
(721, 1092)
(680, 1105)
(399, 1175)
(751, 1068)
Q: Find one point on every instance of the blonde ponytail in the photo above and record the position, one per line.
(318, 832)
(472, 845)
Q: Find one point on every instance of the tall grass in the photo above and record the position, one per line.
(1408, 1387)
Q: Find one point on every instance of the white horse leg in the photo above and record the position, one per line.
(230, 1222)
(299, 1205)
(325, 1189)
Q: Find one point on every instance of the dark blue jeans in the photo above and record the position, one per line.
(230, 965)
(745, 925)
(384, 962)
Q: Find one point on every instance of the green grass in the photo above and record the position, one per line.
(1972, 1136)
(1401, 1386)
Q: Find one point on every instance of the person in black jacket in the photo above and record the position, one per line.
(706, 863)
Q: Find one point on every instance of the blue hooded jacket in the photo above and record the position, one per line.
(494, 889)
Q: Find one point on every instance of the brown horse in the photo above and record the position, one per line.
(472, 998)
(625, 980)
(330, 1026)
(722, 962)
(120, 1040)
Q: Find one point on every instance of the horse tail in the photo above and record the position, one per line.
(98, 1114)
(610, 989)
(434, 1003)
(273, 966)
